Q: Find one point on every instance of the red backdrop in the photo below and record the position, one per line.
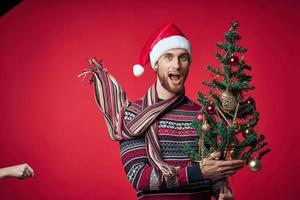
(49, 118)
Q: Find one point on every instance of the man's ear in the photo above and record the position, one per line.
(155, 67)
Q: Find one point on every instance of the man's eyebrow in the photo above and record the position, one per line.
(171, 54)
(184, 54)
(168, 54)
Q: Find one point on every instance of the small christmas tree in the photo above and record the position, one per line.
(227, 121)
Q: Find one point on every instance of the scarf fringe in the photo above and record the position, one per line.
(112, 102)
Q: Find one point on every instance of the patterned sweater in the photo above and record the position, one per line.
(174, 130)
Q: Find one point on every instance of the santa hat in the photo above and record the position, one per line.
(165, 38)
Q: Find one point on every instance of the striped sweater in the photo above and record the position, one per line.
(174, 130)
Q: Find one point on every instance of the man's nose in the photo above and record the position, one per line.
(176, 63)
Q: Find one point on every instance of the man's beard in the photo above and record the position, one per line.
(175, 89)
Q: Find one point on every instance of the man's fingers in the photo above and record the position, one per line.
(234, 168)
(26, 173)
(214, 155)
(30, 170)
(221, 196)
(228, 173)
(231, 163)
(23, 171)
(227, 197)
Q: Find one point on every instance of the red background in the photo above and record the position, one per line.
(49, 118)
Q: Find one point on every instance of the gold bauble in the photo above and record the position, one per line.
(254, 165)
(205, 127)
(228, 101)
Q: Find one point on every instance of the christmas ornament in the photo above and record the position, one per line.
(250, 101)
(200, 117)
(205, 127)
(228, 101)
(211, 109)
(246, 132)
(233, 60)
(254, 165)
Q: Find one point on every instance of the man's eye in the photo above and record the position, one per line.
(183, 58)
(169, 57)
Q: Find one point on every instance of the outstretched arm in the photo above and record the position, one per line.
(17, 171)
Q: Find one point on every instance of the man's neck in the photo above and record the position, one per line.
(162, 92)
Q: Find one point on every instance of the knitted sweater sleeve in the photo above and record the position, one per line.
(142, 175)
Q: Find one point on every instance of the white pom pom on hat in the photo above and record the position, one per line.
(165, 38)
(138, 70)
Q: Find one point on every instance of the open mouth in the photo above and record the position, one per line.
(175, 77)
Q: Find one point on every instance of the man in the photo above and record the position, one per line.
(153, 130)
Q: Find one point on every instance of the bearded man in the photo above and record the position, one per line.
(153, 129)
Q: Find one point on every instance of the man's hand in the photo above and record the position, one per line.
(215, 169)
(225, 193)
(17, 171)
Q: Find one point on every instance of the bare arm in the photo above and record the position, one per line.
(17, 171)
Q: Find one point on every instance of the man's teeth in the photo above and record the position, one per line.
(174, 77)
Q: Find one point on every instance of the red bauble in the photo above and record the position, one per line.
(200, 117)
(246, 132)
(233, 60)
(250, 101)
(211, 109)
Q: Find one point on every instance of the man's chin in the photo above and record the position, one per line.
(177, 89)
(172, 88)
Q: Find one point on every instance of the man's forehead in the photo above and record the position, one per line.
(177, 51)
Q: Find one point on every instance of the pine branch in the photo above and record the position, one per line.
(227, 72)
(239, 86)
(244, 77)
(247, 88)
(219, 85)
(239, 49)
(201, 98)
(214, 70)
(210, 140)
(215, 97)
(243, 66)
(192, 154)
(215, 84)
(197, 126)
(224, 46)
(220, 58)
(244, 111)
(261, 154)
(247, 155)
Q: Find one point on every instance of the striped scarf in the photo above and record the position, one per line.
(112, 102)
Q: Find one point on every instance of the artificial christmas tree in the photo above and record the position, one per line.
(227, 121)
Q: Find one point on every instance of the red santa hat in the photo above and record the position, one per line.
(165, 38)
